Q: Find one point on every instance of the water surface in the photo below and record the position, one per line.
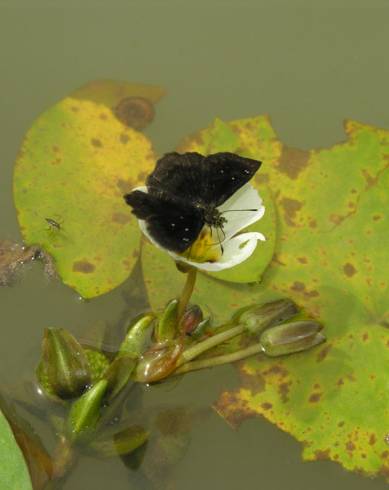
(308, 67)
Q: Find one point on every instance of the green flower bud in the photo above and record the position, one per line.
(85, 412)
(98, 363)
(63, 371)
(258, 317)
(166, 328)
(121, 443)
(291, 337)
(118, 374)
(137, 337)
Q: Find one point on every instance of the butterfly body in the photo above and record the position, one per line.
(184, 192)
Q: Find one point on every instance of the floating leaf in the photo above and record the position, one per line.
(330, 258)
(75, 164)
(13, 470)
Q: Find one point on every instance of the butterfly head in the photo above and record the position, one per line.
(213, 217)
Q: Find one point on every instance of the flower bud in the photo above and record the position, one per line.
(63, 371)
(118, 374)
(291, 337)
(137, 337)
(166, 328)
(258, 317)
(191, 319)
(121, 443)
(158, 362)
(85, 412)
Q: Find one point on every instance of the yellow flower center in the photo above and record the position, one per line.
(206, 248)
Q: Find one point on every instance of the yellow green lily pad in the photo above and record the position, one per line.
(75, 164)
(331, 258)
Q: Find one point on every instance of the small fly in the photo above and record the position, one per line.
(54, 228)
(53, 224)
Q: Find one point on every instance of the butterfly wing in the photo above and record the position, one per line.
(225, 173)
(205, 181)
(171, 222)
(179, 175)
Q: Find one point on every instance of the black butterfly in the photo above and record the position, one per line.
(183, 193)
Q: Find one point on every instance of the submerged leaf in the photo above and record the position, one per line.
(331, 259)
(75, 164)
(131, 103)
(120, 443)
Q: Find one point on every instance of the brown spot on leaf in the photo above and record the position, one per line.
(302, 260)
(103, 116)
(96, 142)
(365, 336)
(299, 287)
(277, 370)
(315, 397)
(55, 149)
(377, 217)
(283, 390)
(370, 181)
(266, 406)
(336, 218)
(121, 218)
(340, 382)
(341, 423)
(350, 446)
(322, 454)
(312, 223)
(349, 269)
(291, 208)
(83, 266)
(372, 439)
(322, 354)
(255, 384)
(293, 161)
(74, 108)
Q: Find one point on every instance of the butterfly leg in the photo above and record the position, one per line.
(218, 237)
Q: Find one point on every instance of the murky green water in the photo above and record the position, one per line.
(309, 68)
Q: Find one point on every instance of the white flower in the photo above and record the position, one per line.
(215, 250)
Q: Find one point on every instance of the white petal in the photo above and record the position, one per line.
(142, 188)
(235, 210)
(236, 250)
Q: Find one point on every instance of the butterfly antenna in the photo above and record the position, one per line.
(237, 210)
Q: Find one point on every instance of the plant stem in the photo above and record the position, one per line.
(207, 344)
(216, 361)
(63, 459)
(186, 292)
